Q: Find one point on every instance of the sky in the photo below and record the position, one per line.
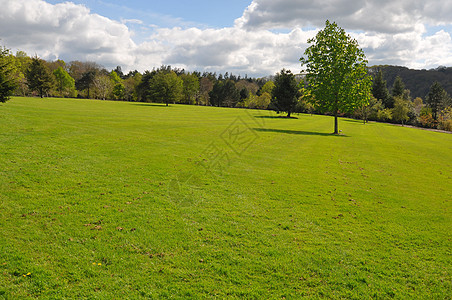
(253, 37)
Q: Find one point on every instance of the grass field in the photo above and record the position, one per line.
(114, 200)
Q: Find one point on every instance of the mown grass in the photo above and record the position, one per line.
(114, 200)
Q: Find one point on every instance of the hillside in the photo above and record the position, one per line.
(417, 81)
(123, 200)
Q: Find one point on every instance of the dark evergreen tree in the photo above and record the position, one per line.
(436, 97)
(231, 94)
(284, 94)
(398, 88)
(118, 71)
(243, 94)
(143, 88)
(224, 93)
(86, 81)
(216, 94)
(380, 89)
(39, 77)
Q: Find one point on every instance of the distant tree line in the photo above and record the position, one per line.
(22, 75)
(398, 106)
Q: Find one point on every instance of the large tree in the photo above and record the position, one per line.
(336, 72)
(436, 97)
(39, 77)
(7, 79)
(166, 87)
(284, 93)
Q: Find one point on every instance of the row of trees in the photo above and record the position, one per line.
(336, 81)
(32, 76)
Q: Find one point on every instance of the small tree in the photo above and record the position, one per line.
(369, 111)
(65, 84)
(39, 77)
(103, 85)
(336, 72)
(285, 92)
(445, 119)
(118, 90)
(7, 79)
(400, 110)
(435, 98)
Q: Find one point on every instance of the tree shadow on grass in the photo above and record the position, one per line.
(300, 132)
(353, 121)
(150, 104)
(276, 117)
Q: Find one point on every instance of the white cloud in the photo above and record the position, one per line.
(387, 16)
(390, 32)
(131, 21)
(234, 49)
(65, 30)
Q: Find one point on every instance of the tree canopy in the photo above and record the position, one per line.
(336, 72)
(166, 87)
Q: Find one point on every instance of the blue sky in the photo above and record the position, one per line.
(254, 37)
(170, 13)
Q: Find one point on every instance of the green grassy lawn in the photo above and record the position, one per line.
(115, 200)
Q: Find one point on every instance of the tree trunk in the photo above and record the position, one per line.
(288, 114)
(336, 130)
(336, 111)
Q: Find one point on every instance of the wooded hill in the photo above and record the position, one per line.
(417, 81)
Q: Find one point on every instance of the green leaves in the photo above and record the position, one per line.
(166, 87)
(65, 83)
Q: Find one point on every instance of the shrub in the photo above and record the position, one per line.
(384, 115)
(445, 119)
